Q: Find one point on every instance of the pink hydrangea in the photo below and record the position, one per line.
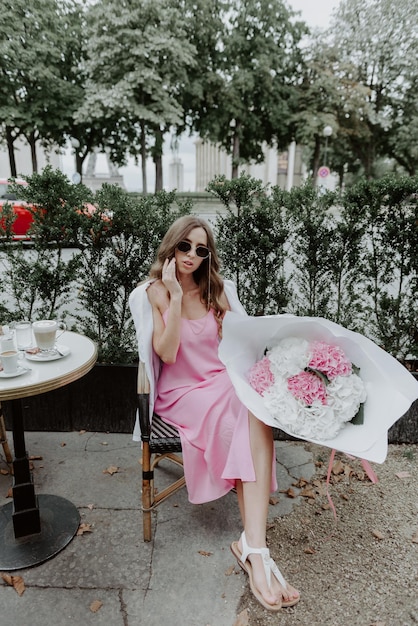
(330, 360)
(260, 376)
(307, 387)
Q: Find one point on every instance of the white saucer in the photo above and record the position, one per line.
(20, 370)
(65, 350)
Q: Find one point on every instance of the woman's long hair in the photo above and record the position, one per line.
(207, 275)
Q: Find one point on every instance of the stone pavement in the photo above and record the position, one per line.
(180, 577)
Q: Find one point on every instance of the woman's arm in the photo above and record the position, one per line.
(164, 294)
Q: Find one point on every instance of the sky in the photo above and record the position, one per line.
(316, 13)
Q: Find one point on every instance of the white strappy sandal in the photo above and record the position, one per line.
(270, 567)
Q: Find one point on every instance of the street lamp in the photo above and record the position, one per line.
(75, 144)
(327, 132)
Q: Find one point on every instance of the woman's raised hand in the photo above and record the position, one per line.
(169, 278)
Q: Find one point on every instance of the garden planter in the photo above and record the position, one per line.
(104, 401)
(405, 430)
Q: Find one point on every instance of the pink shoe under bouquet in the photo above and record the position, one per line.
(311, 389)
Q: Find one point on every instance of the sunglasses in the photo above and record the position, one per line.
(201, 251)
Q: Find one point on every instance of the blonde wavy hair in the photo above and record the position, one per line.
(207, 276)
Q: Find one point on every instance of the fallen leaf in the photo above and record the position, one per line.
(112, 469)
(84, 528)
(36, 457)
(90, 506)
(10, 493)
(95, 606)
(230, 570)
(344, 496)
(104, 443)
(242, 619)
(273, 500)
(309, 551)
(63, 444)
(16, 582)
(204, 553)
(302, 482)
(415, 537)
(348, 470)
(378, 534)
(308, 493)
(403, 475)
(4, 472)
(289, 492)
(338, 468)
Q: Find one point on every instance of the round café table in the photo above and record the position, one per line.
(34, 528)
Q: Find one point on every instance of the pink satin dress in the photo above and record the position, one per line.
(195, 394)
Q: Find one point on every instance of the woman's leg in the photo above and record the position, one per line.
(253, 498)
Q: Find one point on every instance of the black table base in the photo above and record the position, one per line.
(60, 520)
(33, 528)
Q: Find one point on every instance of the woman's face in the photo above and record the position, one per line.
(188, 262)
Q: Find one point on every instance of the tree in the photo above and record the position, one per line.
(377, 44)
(251, 239)
(36, 93)
(259, 59)
(402, 141)
(329, 96)
(138, 56)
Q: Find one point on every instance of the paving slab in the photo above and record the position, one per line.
(186, 576)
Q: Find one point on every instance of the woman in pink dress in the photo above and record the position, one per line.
(224, 445)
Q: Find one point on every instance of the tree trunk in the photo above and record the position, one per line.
(158, 151)
(143, 159)
(235, 152)
(79, 160)
(32, 143)
(11, 151)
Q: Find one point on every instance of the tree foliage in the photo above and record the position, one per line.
(258, 63)
(251, 240)
(137, 60)
(377, 49)
(37, 84)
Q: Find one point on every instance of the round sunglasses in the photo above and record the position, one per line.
(201, 251)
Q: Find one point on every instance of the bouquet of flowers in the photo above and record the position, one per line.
(311, 389)
(390, 387)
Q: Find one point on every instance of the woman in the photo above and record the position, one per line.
(224, 445)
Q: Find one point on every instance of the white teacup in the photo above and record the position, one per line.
(45, 333)
(9, 360)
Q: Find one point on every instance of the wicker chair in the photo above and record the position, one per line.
(159, 441)
(4, 442)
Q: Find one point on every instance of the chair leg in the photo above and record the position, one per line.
(3, 440)
(147, 491)
(150, 499)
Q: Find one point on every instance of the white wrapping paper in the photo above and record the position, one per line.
(391, 389)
